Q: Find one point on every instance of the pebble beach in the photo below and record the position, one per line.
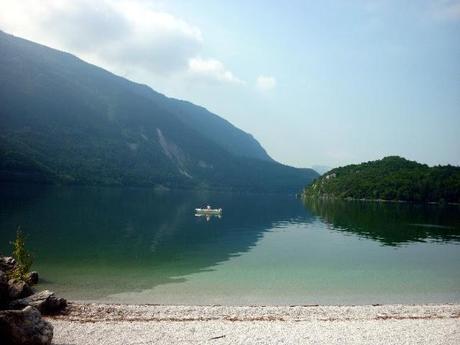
(161, 324)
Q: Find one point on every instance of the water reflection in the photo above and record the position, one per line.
(208, 216)
(150, 238)
(91, 243)
(392, 224)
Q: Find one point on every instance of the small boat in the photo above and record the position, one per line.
(208, 210)
(208, 216)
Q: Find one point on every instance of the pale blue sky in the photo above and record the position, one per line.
(339, 81)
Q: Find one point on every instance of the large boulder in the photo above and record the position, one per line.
(18, 289)
(25, 327)
(45, 301)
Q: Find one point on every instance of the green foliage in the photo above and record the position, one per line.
(21, 255)
(391, 178)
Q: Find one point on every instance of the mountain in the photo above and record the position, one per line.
(391, 178)
(65, 121)
(321, 169)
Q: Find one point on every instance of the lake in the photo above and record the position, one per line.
(134, 245)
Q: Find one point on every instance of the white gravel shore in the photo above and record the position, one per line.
(147, 324)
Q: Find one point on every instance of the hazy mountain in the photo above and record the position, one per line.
(390, 178)
(66, 121)
(321, 169)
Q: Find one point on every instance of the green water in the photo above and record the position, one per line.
(129, 245)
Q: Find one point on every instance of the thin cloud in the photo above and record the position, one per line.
(265, 83)
(212, 70)
(128, 37)
(446, 9)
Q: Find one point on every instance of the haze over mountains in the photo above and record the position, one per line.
(65, 121)
(321, 169)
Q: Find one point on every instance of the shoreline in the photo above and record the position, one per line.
(96, 323)
(303, 196)
(97, 312)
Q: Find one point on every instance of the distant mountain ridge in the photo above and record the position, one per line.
(321, 169)
(391, 178)
(63, 120)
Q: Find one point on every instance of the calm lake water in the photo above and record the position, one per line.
(129, 245)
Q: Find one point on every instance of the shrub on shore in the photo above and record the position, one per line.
(22, 256)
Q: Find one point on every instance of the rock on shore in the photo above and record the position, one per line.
(24, 327)
(21, 308)
(45, 301)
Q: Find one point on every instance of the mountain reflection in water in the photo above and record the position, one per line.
(392, 224)
(135, 245)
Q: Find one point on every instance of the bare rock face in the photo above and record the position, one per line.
(25, 327)
(45, 301)
(18, 289)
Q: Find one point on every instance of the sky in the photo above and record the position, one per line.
(315, 82)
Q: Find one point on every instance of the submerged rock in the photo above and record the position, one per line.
(32, 278)
(18, 289)
(24, 327)
(45, 301)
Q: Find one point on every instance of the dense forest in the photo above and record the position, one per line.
(64, 121)
(391, 178)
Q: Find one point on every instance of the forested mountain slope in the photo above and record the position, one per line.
(66, 121)
(391, 178)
